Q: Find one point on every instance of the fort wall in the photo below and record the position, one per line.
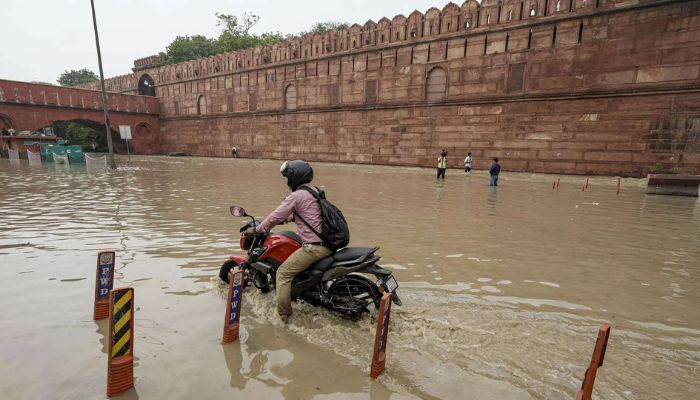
(566, 86)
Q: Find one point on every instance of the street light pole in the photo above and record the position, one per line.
(108, 130)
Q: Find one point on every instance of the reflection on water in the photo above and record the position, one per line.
(502, 298)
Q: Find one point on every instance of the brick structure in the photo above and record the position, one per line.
(32, 106)
(566, 86)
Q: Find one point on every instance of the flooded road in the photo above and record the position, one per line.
(503, 290)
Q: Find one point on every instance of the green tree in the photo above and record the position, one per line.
(323, 27)
(82, 133)
(185, 48)
(230, 23)
(232, 42)
(77, 77)
(235, 35)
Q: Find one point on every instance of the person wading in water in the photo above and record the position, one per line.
(442, 165)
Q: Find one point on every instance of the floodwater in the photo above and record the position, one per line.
(503, 290)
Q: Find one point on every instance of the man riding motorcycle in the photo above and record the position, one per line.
(298, 204)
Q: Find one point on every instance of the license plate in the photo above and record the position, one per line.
(391, 284)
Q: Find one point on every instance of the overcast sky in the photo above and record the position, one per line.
(42, 38)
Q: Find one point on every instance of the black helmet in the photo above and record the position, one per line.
(297, 173)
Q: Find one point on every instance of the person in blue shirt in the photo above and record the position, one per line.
(494, 171)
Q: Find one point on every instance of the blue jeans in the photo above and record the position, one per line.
(494, 180)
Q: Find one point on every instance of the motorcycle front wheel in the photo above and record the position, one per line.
(226, 269)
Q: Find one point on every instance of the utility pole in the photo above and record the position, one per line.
(108, 129)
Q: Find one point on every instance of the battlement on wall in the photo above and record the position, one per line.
(471, 18)
(146, 62)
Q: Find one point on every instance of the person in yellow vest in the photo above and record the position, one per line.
(442, 165)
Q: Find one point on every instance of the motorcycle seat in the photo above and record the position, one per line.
(346, 254)
(323, 264)
(352, 253)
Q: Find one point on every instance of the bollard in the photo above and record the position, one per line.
(554, 185)
(104, 278)
(596, 361)
(233, 308)
(586, 183)
(379, 355)
(618, 185)
(120, 367)
(558, 183)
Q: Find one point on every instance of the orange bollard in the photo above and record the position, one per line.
(120, 367)
(601, 345)
(618, 185)
(233, 308)
(104, 278)
(379, 355)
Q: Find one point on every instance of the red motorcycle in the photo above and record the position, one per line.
(338, 282)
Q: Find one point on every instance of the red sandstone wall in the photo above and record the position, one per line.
(608, 89)
(592, 136)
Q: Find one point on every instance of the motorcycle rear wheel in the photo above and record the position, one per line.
(352, 294)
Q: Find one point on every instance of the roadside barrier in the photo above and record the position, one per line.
(596, 362)
(104, 278)
(379, 355)
(120, 367)
(34, 158)
(60, 159)
(95, 163)
(233, 306)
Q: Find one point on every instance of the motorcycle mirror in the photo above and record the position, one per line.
(238, 211)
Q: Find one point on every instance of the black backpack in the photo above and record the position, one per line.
(334, 230)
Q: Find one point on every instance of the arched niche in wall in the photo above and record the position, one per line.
(143, 131)
(147, 86)
(5, 121)
(201, 105)
(436, 85)
(290, 97)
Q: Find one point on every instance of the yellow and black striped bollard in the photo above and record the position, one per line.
(120, 369)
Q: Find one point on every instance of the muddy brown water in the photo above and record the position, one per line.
(503, 289)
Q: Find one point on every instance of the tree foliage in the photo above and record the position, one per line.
(185, 48)
(231, 42)
(77, 77)
(323, 27)
(235, 35)
(87, 135)
(230, 23)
